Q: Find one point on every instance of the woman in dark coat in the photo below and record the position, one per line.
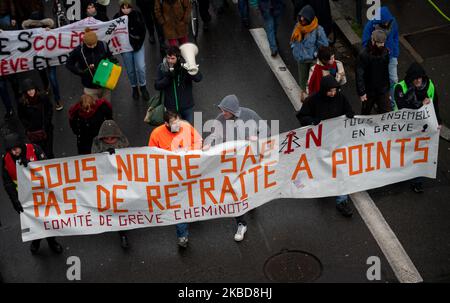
(86, 118)
(35, 112)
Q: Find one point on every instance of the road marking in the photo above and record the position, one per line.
(398, 259)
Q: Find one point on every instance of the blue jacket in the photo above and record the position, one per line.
(307, 48)
(392, 37)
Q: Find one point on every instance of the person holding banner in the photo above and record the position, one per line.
(134, 61)
(415, 91)
(36, 113)
(95, 10)
(19, 152)
(176, 135)
(232, 111)
(86, 118)
(328, 103)
(84, 60)
(110, 138)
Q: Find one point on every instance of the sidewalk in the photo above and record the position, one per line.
(424, 35)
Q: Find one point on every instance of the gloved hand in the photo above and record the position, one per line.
(350, 115)
(111, 150)
(18, 206)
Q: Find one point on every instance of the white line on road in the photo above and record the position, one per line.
(401, 264)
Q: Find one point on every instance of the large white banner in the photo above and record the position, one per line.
(141, 187)
(38, 48)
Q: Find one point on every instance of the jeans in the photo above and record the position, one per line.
(241, 220)
(303, 73)
(135, 66)
(417, 181)
(271, 25)
(393, 77)
(5, 95)
(188, 115)
(341, 199)
(48, 77)
(381, 100)
(243, 9)
(182, 230)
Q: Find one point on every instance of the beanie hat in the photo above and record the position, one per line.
(90, 37)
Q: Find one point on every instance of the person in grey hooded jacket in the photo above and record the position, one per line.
(232, 111)
(109, 138)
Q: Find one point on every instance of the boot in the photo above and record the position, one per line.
(144, 93)
(135, 93)
(54, 246)
(34, 247)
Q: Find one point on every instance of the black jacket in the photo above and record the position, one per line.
(183, 87)
(413, 98)
(36, 116)
(77, 65)
(372, 72)
(9, 185)
(319, 106)
(136, 28)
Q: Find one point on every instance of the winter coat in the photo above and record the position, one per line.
(36, 116)
(322, 10)
(77, 65)
(413, 98)
(392, 42)
(136, 28)
(231, 104)
(109, 128)
(372, 72)
(87, 125)
(165, 81)
(29, 9)
(174, 17)
(319, 106)
(271, 7)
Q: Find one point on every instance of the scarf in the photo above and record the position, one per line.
(316, 76)
(301, 30)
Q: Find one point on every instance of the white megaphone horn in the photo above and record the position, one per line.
(188, 52)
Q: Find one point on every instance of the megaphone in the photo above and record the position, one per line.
(188, 52)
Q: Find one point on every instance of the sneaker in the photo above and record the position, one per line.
(242, 229)
(135, 93)
(417, 188)
(183, 242)
(55, 246)
(58, 106)
(345, 209)
(34, 247)
(124, 242)
(144, 93)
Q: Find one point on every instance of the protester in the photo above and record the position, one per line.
(388, 24)
(416, 90)
(174, 17)
(271, 11)
(326, 65)
(306, 38)
(84, 60)
(7, 14)
(147, 8)
(232, 111)
(372, 75)
(35, 112)
(86, 118)
(95, 9)
(48, 75)
(28, 9)
(176, 135)
(110, 138)
(322, 9)
(17, 150)
(328, 103)
(135, 60)
(176, 84)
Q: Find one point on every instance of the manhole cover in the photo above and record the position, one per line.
(293, 266)
(431, 43)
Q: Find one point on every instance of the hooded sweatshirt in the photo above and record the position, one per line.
(109, 128)
(319, 106)
(414, 96)
(231, 104)
(392, 41)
